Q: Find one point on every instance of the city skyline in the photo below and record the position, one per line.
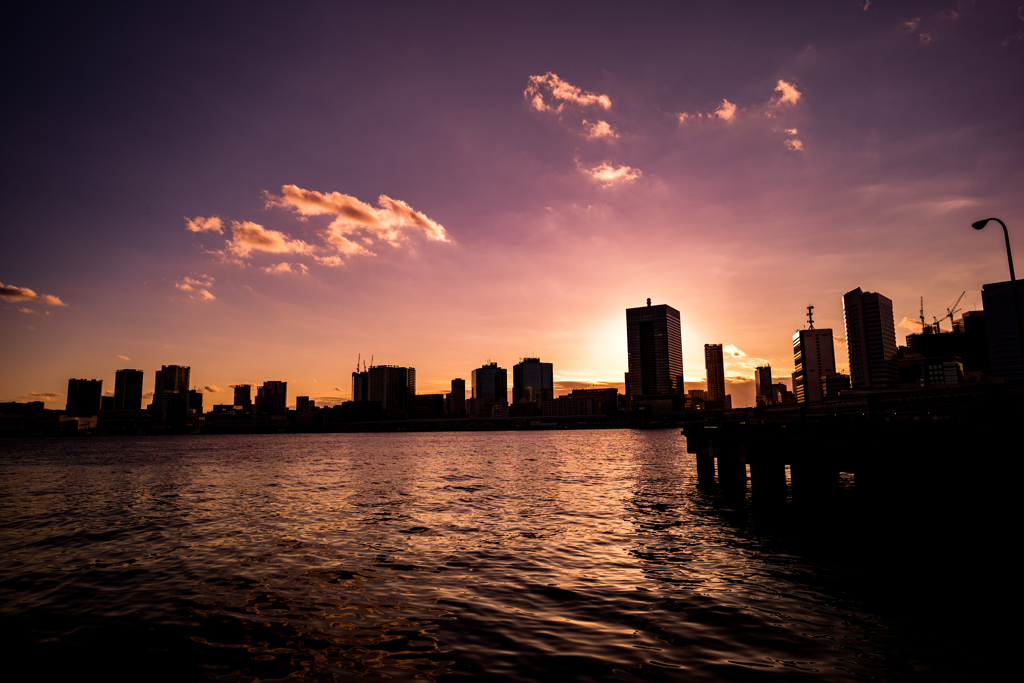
(188, 208)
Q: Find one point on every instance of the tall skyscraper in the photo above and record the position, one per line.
(171, 378)
(1001, 329)
(394, 386)
(84, 397)
(457, 398)
(490, 387)
(764, 394)
(714, 364)
(654, 342)
(870, 339)
(272, 398)
(533, 380)
(128, 390)
(814, 357)
(243, 396)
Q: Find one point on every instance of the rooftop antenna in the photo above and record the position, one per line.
(648, 301)
(810, 319)
(923, 323)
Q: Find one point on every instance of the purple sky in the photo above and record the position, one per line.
(449, 184)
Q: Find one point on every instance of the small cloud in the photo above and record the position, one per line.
(108, 393)
(910, 324)
(200, 224)
(294, 269)
(336, 389)
(867, 3)
(924, 38)
(148, 394)
(332, 261)
(247, 237)
(912, 24)
(212, 389)
(794, 145)
(21, 309)
(726, 110)
(197, 287)
(12, 293)
(557, 89)
(45, 395)
(392, 222)
(790, 131)
(609, 175)
(836, 339)
(788, 95)
(733, 351)
(123, 357)
(599, 130)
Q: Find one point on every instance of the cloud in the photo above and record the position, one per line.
(43, 394)
(557, 89)
(733, 351)
(609, 175)
(336, 389)
(200, 224)
(295, 269)
(331, 261)
(788, 94)
(836, 339)
(867, 3)
(148, 394)
(924, 38)
(726, 110)
(392, 222)
(912, 23)
(12, 293)
(910, 324)
(123, 357)
(212, 389)
(22, 309)
(197, 287)
(790, 131)
(247, 237)
(599, 130)
(794, 145)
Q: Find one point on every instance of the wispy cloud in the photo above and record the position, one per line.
(200, 224)
(123, 357)
(910, 324)
(12, 293)
(247, 237)
(733, 351)
(599, 131)
(211, 389)
(198, 287)
(332, 261)
(609, 175)
(794, 145)
(295, 269)
(45, 395)
(392, 222)
(556, 90)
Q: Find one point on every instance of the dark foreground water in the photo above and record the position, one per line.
(586, 555)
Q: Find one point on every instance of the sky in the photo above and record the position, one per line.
(270, 191)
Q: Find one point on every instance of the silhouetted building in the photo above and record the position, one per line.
(832, 384)
(426, 406)
(783, 396)
(243, 396)
(604, 401)
(272, 398)
(84, 397)
(714, 365)
(870, 339)
(456, 400)
(532, 380)
(392, 385)
(106, 403)
(1001, 325)
(171, 378)
(763, 394)
(814, 357)
(490, 387)
(968, 342)
(361, 385)
(919, 370)
(128, 390)
(303, 404)
(195, 401)
(565, 406)
(655, 348)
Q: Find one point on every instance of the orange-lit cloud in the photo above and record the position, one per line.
(598, 131)
(556, 89)
(332, 261)
(200, 224)
(212, 389)
(12, 293)
(247, 237)
(794, 145)
(392, 222)
(910, 324)
(197, 287)
(726, 110)
(295, 269)
(123, 357)
(609, 175)
(731, 350)
(788, 95)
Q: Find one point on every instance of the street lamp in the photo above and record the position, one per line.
(978, 225)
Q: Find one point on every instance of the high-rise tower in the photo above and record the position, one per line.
(714, 365)
(870, 339)
(655, 349)
(128, 390)
(532, 379)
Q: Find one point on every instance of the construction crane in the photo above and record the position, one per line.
(358, 358)
(950, 312)
(927, 328)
